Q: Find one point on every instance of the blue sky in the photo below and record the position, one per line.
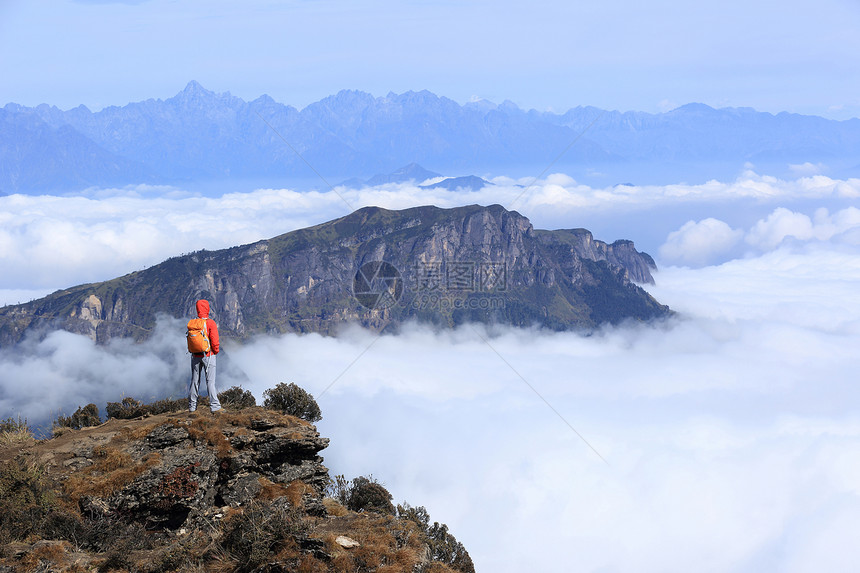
(619, 54)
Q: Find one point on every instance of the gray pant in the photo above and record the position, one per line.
(206, 365)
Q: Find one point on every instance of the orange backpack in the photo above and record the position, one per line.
(198, 339)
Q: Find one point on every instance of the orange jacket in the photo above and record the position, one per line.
(211, 327)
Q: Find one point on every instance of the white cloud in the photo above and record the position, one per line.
(781, 224)
(731, 432)
(711, 241)
(45, 377)
(806, 169)
(665, 105)
(814, 287)
(699, 243)
(724, 435)
(50, 242)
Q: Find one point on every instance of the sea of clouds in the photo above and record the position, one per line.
(724, 439)
(49, 242)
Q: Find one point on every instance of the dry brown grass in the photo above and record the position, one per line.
(296, 490)
(241, 432)
(308, 564)
(112, 470)
(28, 563)
(132, 433)
(439, 568)
(387, 545)
(407, 556)
(16, 438)
(110, 459)
(48, 557)
(333, 507)
(52, 553)
(271, 490)
(14, 432)
(209, 430)
(242, 418)
(247, 416)
(393, 569)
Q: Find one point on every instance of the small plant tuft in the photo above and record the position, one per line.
(11, 424)
(339, 489)
(15, 431)
(293, 400)
(252, 535)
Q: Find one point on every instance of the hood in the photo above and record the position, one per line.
(203, 308)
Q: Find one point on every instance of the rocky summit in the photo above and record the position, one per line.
(240, 490)
(374, 267)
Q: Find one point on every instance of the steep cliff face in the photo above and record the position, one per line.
(447, 266)
(621, 253)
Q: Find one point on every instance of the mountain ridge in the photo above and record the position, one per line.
(200, 135)
(466, 264)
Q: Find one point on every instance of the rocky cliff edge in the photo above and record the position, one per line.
(233, 491)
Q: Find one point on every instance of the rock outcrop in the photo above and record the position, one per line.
(241, 490)
(167, 470)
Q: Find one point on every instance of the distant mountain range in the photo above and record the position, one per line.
(374, 267)
(416, 174)
(199, 135)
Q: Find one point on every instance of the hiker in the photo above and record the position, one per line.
(203, 345)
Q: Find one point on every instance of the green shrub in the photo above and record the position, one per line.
(261, 530)
(417, 515)
(290, 399)
(130, 408)
(84, 417)
(237, 399)
(368, 494)
(361, 493)
(127, 409)
(25, 498)
(25, 484)
(444, 547)
(166, 406)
